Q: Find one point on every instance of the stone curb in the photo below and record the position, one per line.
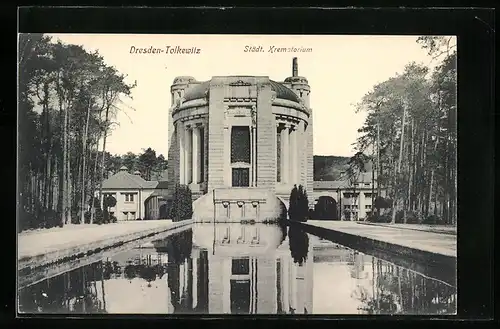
(433, 264)
(40, 273)
(77, 251)
(410, 228)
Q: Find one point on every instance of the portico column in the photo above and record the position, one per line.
(286, 284)
(254, 147)
(187, 154)
(285, 154)
(181, 135)
(195, 281)
(196, 152)
(293, 155)
(251, 157)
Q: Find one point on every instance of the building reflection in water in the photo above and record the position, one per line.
(250, 269)
(240, 268)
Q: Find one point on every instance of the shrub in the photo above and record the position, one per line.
(432, 220)
(412, 217)
(182, 205)
(299, 204)
(377, 218)
(109, 202)
(86, 217)
(98, 216)
(399, 217)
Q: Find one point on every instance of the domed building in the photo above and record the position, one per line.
(240, 143)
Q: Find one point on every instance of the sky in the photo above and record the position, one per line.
(340, 71)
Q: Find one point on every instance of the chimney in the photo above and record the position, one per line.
(295, 67)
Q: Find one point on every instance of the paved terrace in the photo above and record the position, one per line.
(42, 247)
(402, 235)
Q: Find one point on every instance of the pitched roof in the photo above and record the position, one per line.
(364, 177)
(330, 185)
(124, 180)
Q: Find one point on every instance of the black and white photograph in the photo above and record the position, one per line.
(237, 174)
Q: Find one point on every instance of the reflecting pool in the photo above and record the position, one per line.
(240, 269)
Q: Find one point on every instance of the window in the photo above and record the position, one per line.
(240, 266)
(368, 206)
(125, 215)
(367, 184)
(241, 177)
(129, 197)
(132, 215)
(240, 144)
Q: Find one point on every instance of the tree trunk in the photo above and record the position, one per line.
(84, 154)
(68, 177)
(101, 176)
(410, 172)
(398, 169)
(92, 196)
(65, 168)
(379, 169)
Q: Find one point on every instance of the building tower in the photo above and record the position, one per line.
(301, 87)
(177, 91)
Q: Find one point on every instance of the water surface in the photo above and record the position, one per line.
(240, 269)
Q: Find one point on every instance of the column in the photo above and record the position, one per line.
(285, 154)
(187, 154)
(285, 278)
(293, 155)
(181, 135)
(205, 152)
(254, 147)
(251, 156)
(278, 164)
(186, 276)
(196, 152)
(294, 287)
(227, 156)
(181, 279)
(195, 281)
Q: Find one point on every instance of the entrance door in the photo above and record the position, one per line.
(241, 177)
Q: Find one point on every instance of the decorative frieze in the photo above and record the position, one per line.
(240, 100)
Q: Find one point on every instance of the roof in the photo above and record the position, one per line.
(364, 177)
(200, 90)
(284, 92)
(124, 180)
(162, 184)
(329, 185)
(197, 91)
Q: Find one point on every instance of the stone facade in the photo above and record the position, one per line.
(257, 257)
(234, 179)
